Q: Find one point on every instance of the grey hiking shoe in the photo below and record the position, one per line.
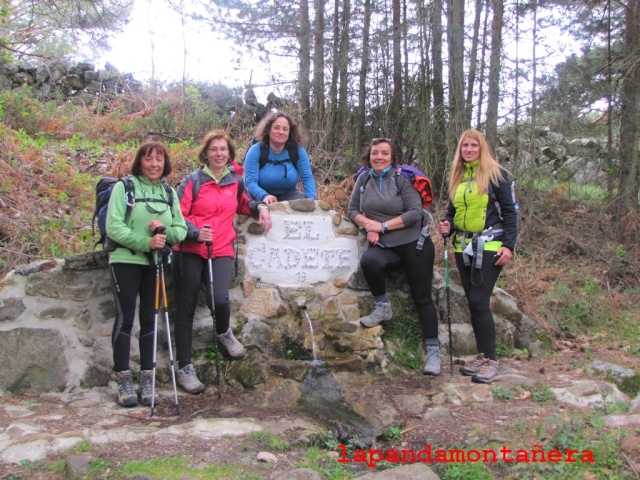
(381, 313)
(233, 346)
(144, 393)
(432, 360)
(126, 393)
(474, 366)
(487, 373)
(188, 380)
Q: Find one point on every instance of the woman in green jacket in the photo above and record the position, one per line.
(483, 218)
(132, 223)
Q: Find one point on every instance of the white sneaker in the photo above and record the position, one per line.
(381, 313)
(233, 346)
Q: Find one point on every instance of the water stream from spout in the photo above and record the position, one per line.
(313, 340)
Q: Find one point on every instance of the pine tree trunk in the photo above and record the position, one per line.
(491, 129)
(627, 200)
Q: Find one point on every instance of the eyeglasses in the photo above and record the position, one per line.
(216, 150)
(376, 141)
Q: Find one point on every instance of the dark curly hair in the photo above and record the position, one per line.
(264, 127)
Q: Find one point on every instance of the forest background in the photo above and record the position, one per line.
(419, 72)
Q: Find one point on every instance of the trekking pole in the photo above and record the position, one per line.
(161, 292)
(448, 291)
(213, 313)
(168, 328)
(155, 324)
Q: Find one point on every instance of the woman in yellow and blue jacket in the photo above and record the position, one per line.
(483, 220)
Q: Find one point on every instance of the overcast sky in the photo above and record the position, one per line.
(209, 58)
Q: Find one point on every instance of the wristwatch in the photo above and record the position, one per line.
(384, 227)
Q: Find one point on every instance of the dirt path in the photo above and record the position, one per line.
(445, 412)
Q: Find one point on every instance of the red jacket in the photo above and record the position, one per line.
(215, 205)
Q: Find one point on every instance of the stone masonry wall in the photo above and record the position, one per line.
(56, 316)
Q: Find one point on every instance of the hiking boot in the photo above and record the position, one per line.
(126, 393)
(144, 393)
(432, 360)
(473, 367)
(487, 373)
(381, 313)
(233, 346)
(188, 380)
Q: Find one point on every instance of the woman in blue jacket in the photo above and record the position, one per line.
(274, 177)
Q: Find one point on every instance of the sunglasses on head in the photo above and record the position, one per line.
(376, 141)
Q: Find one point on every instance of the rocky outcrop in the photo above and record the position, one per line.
(580, 160)
(63, 79)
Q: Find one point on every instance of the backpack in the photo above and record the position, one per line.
(104, 187)
(420, 182)
(293, 157)
(493, 197)
(418, 179)
(196, 183)
(264, 156)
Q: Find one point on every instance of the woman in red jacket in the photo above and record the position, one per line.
(209, 201)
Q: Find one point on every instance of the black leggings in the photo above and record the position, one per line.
(128, 281)
(190, 273)
(376, 261)
(479, 298)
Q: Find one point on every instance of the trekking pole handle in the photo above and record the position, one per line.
(160, 230)
(208, 243)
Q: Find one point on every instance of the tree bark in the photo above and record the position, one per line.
(318, 64)
(439, 116)
(395, 108)
(627, 201)
(491, 129)
(473, 60)
(455, 35)
(362, 86)
(304, 73)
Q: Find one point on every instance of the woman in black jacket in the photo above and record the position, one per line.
(483, 219)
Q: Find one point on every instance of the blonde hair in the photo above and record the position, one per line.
(489, 170)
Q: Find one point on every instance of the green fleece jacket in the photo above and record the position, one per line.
(134, 235)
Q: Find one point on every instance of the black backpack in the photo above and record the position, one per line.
(264, 156)
(104, 187)
(293, 157)
(494, 198)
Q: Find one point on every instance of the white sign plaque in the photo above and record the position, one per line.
(301, 249)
